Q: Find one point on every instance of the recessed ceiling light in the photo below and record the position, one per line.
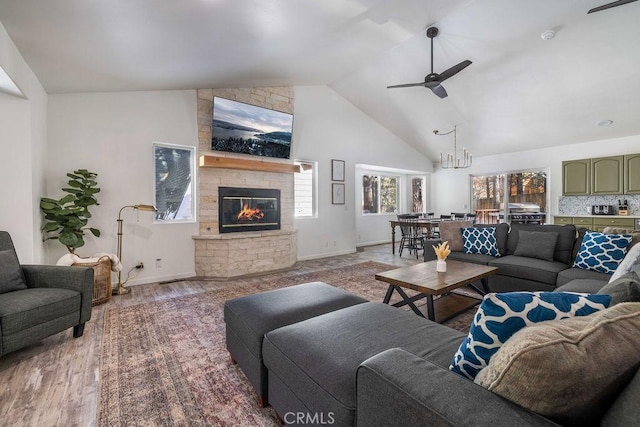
(548, 35)
(605, 122)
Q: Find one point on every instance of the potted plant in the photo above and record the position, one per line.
(66, 219)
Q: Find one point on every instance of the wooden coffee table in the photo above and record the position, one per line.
(428, 282)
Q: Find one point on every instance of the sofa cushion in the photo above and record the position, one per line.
(502, 315)
(473, 258)
(480, 241)
(625, 288)
(573, 273)
(564, 245)
(588, 286)
(625, 411)
(451, 231)
(529, 268)
(602, 252)
(20, 310)
(581, 231)
(566, 369)
(536, 244)
(318, 358)
(502, 234)
(10, 273)
(631, 259)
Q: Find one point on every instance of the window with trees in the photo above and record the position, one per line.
(417, 194)
(379, 194)
(304, 183)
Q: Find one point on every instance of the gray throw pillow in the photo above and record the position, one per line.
(451, 231)
(536, 244)
(625, 288)
(10, 273)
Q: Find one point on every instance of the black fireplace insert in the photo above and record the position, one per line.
(248, 209)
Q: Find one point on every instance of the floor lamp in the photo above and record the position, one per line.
(121, 289)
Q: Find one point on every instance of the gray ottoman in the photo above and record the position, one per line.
(248, 318)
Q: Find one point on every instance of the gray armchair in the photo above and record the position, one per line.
(37, 301)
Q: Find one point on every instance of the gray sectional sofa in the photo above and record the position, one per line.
(375, 365)
(369, 363)
(532, 273)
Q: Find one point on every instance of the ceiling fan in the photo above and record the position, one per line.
(432, 80)
(610, 5)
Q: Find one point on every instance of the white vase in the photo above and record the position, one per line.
(441, 266)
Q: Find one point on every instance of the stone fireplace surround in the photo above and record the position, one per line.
(238, 254)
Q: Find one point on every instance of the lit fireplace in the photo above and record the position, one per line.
(248, 209)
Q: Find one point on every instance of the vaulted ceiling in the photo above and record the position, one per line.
(521, 91)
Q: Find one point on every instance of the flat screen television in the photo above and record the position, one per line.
(248, 129)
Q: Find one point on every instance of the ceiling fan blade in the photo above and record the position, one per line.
(453, 70)
(406, 85)
(438, 90)
(610, 5)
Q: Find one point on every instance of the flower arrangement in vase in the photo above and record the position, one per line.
(442, 252)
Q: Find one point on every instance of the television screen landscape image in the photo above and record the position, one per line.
(248, 129)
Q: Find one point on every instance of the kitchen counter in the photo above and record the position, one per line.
(597, 216)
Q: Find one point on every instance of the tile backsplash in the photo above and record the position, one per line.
(581, 205)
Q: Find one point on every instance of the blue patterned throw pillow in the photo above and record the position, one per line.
(480, 241)
(503, 314)
(602, 252)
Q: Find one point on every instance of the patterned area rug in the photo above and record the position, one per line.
(165, 363)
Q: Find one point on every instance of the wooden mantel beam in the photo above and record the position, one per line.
(210, 161)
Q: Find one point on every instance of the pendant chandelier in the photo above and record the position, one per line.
(452, 160)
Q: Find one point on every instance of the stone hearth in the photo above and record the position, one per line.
(239, 254)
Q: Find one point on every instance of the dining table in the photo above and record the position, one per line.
(425, 223)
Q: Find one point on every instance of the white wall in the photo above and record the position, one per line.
(112, 134)
(23, 143)
(326, 127)
(450, 188)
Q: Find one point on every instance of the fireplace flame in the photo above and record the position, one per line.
(247, 214)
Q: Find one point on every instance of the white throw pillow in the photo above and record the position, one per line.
(631, 259)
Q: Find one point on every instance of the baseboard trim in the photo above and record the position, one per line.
(378, 242)
(159, 279)
(326, 255)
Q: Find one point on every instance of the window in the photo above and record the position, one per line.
(379, 194)
(304, 183)
(525, 191)
(174, 190)
(417, 194)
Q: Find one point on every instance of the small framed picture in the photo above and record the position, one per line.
(337, 194)
(337, 170)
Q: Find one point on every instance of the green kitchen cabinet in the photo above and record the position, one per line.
(607, 176)
(576, 177)
(581, 221)
(600, 223)
(632, 174)
(562, 220)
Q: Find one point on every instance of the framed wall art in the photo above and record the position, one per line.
(337, 170)
(337, 194)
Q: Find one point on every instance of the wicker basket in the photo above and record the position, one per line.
(101, 279)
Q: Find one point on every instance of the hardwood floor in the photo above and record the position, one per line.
(56, 382)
